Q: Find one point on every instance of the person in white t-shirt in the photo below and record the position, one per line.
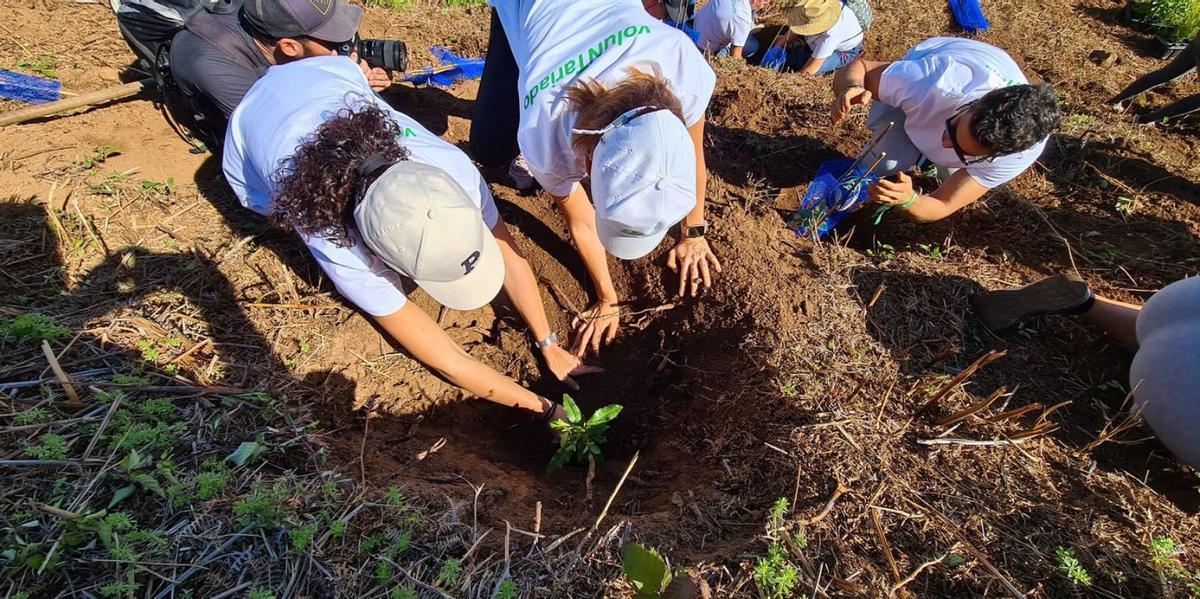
(377, 198)
(725, 25)
(606, 92)
(831, 34)
(960, 104)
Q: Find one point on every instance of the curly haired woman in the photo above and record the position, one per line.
(377, 198)
(599, 89)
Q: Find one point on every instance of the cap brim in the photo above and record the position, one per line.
(342, 26)
(623, 246)
(478, 287)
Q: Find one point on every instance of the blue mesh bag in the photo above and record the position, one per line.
(774, 58)
(463, 67)
(829, 200)
(969, 15)
(27, 88)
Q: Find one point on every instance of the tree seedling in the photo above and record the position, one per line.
(578, 439)
(1071, 568)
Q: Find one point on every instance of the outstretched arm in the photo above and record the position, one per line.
(427, 342)
(600, 321)
(521, 286)
(958, 191)
(1187, 105)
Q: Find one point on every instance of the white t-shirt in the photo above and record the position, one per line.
(558, 42)
(288, 104)
(938, 77)
(846, 34)
(723, 23)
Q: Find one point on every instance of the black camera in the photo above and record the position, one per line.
(391, 55)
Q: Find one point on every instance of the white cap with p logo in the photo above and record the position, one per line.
(421, 223)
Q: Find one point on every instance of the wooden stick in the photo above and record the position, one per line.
(72, 396)
(883, 544)
(978, 407)
(90, 99)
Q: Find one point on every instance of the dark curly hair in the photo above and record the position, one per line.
(317, 192)
(1015, 118)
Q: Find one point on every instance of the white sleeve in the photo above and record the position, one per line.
(822, 45)
(743, 22)
(907, 84)
(240, 174)
(359, 276)
(487, 205)
(693, 81)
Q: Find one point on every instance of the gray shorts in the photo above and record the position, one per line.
(1165, 373)
(902, 155)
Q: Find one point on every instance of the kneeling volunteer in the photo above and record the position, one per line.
(960, 104)
(600, 89)
(375, 197)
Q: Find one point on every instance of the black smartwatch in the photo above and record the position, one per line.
(694, 231)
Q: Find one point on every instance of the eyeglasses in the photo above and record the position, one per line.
(952, 132)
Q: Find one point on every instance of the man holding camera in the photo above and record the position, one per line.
(219, 55)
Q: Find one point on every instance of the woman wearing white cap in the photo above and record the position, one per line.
(376, 197)
(603, 90)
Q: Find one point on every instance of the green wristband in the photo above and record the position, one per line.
(884, 208)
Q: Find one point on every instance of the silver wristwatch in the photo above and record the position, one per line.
(547, 342)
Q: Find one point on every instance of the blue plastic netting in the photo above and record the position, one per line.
(467, 67)
(27, 88)
(969, 15)
(827, 200)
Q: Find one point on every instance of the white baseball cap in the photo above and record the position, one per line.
(643, 180)
(421, 223)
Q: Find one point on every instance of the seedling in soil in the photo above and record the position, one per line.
(932, 250)
(775, 576)
(1070, 567)
(98, 156)
(882, 252)
(42, 65)
(159, 187)
(579, 439)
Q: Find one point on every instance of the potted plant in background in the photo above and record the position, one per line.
(1174, 23)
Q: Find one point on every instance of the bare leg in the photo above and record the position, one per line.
(1185, 62)
(1118, 319)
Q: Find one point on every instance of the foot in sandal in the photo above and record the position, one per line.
(1005, 308)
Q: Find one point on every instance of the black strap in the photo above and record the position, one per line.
(373, 164)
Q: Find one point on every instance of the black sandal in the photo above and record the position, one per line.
(1005, 308)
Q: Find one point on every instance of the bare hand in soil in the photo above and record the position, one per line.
(854, 96)
(694, 261)
(599, 323)
(563, 364)
(379, 79)
(886, 191)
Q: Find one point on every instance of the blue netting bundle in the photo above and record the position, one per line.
(969, 15)
(774, 58)
(465, 67)
(27, 88)
(828, 200)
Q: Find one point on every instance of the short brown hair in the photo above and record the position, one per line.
(598, 106)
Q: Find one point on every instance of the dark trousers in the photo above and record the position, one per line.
(497, 111)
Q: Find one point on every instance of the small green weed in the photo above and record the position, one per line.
(265, 506)
(261, 593)
(448, 575)
(392, 4)
(932, 250)
(507, 590)
(49, 447)
(42, 65)
(34, 326)
(647, 570)
(97, 157)
(580, 439)
(302, 536)
(402, 593)
(36, 415)
(163, 188)
(775, 576)
(1071, 568)
(788, 389)
(778, 513)
(119, 588)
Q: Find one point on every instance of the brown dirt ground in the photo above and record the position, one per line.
(803, 367)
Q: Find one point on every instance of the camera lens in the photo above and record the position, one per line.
(385, 54)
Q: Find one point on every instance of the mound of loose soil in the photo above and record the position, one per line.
(807, 367)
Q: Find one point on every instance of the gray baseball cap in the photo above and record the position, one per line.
(421, 223)
(326, 20)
